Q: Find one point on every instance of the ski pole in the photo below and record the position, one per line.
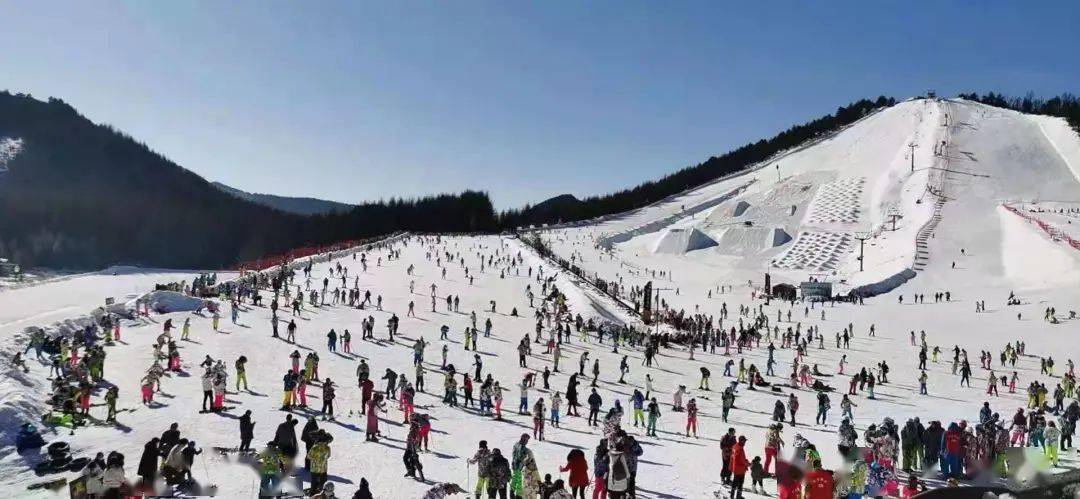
(205, 471)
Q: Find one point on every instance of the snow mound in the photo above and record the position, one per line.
(1033, 261)
(23, 403)
(780, 237)
(816, 251)
(885, 285)
(164, 302)
(741, 240)
(838, 201)
(679, 241)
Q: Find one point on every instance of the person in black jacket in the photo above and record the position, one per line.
(148, 463)
(247, 431)
(363, 492)
(498, 475)
(285, 438)
(168, 439)
(931, 442)
(307, 435)
(571, 396)
(594, 407)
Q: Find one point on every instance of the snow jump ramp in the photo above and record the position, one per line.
(679, 241)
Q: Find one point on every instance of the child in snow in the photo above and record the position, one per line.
(757, 475)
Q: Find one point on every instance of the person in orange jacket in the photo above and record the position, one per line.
(739, 465)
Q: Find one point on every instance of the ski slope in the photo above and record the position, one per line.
(969, 160)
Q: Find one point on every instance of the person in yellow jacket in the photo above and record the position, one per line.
(270, 466)
(241, 372)
(318, 456)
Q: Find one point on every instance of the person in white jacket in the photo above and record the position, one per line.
(94, 474)
(113, 479)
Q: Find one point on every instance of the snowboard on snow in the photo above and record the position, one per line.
(226, 451)
(50, 484)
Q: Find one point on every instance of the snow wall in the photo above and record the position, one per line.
(607, 242)
(885, 285)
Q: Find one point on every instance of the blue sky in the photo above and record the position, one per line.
(360, 101)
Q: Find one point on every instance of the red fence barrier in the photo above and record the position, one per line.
(1047, 228)
(276, 260)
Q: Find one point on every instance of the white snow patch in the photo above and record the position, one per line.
(1032, 260)
(9, 148)
(1064, 139)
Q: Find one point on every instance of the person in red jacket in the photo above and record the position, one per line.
(578, 467)
(788, 478)
(739, 465)
(952, 443)
(819, 482)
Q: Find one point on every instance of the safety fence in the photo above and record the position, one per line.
(1055, 233)
(595, 282)
(297, 253)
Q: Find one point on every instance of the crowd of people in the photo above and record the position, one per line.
(888, 460)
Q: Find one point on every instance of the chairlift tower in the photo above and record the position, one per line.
(862, 237)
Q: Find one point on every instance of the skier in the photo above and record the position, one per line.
(328, 399)
(594, 401)
(373, 407)
(691, 417)
(654, 415)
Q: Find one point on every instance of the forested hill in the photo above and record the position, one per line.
(81, 195)
(298, 205)
(693, 176)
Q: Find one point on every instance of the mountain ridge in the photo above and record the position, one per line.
(300, 205)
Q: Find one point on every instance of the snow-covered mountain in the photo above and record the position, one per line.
(917, 182)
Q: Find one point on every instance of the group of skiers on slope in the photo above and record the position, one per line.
(377, 403)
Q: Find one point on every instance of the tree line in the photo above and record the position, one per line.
(1063, 106)
(82, 195)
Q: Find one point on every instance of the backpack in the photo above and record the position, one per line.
(619, 475)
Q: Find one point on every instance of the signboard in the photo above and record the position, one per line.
(109, 301)
(77, 488)
(816, 290)
(646, 303)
